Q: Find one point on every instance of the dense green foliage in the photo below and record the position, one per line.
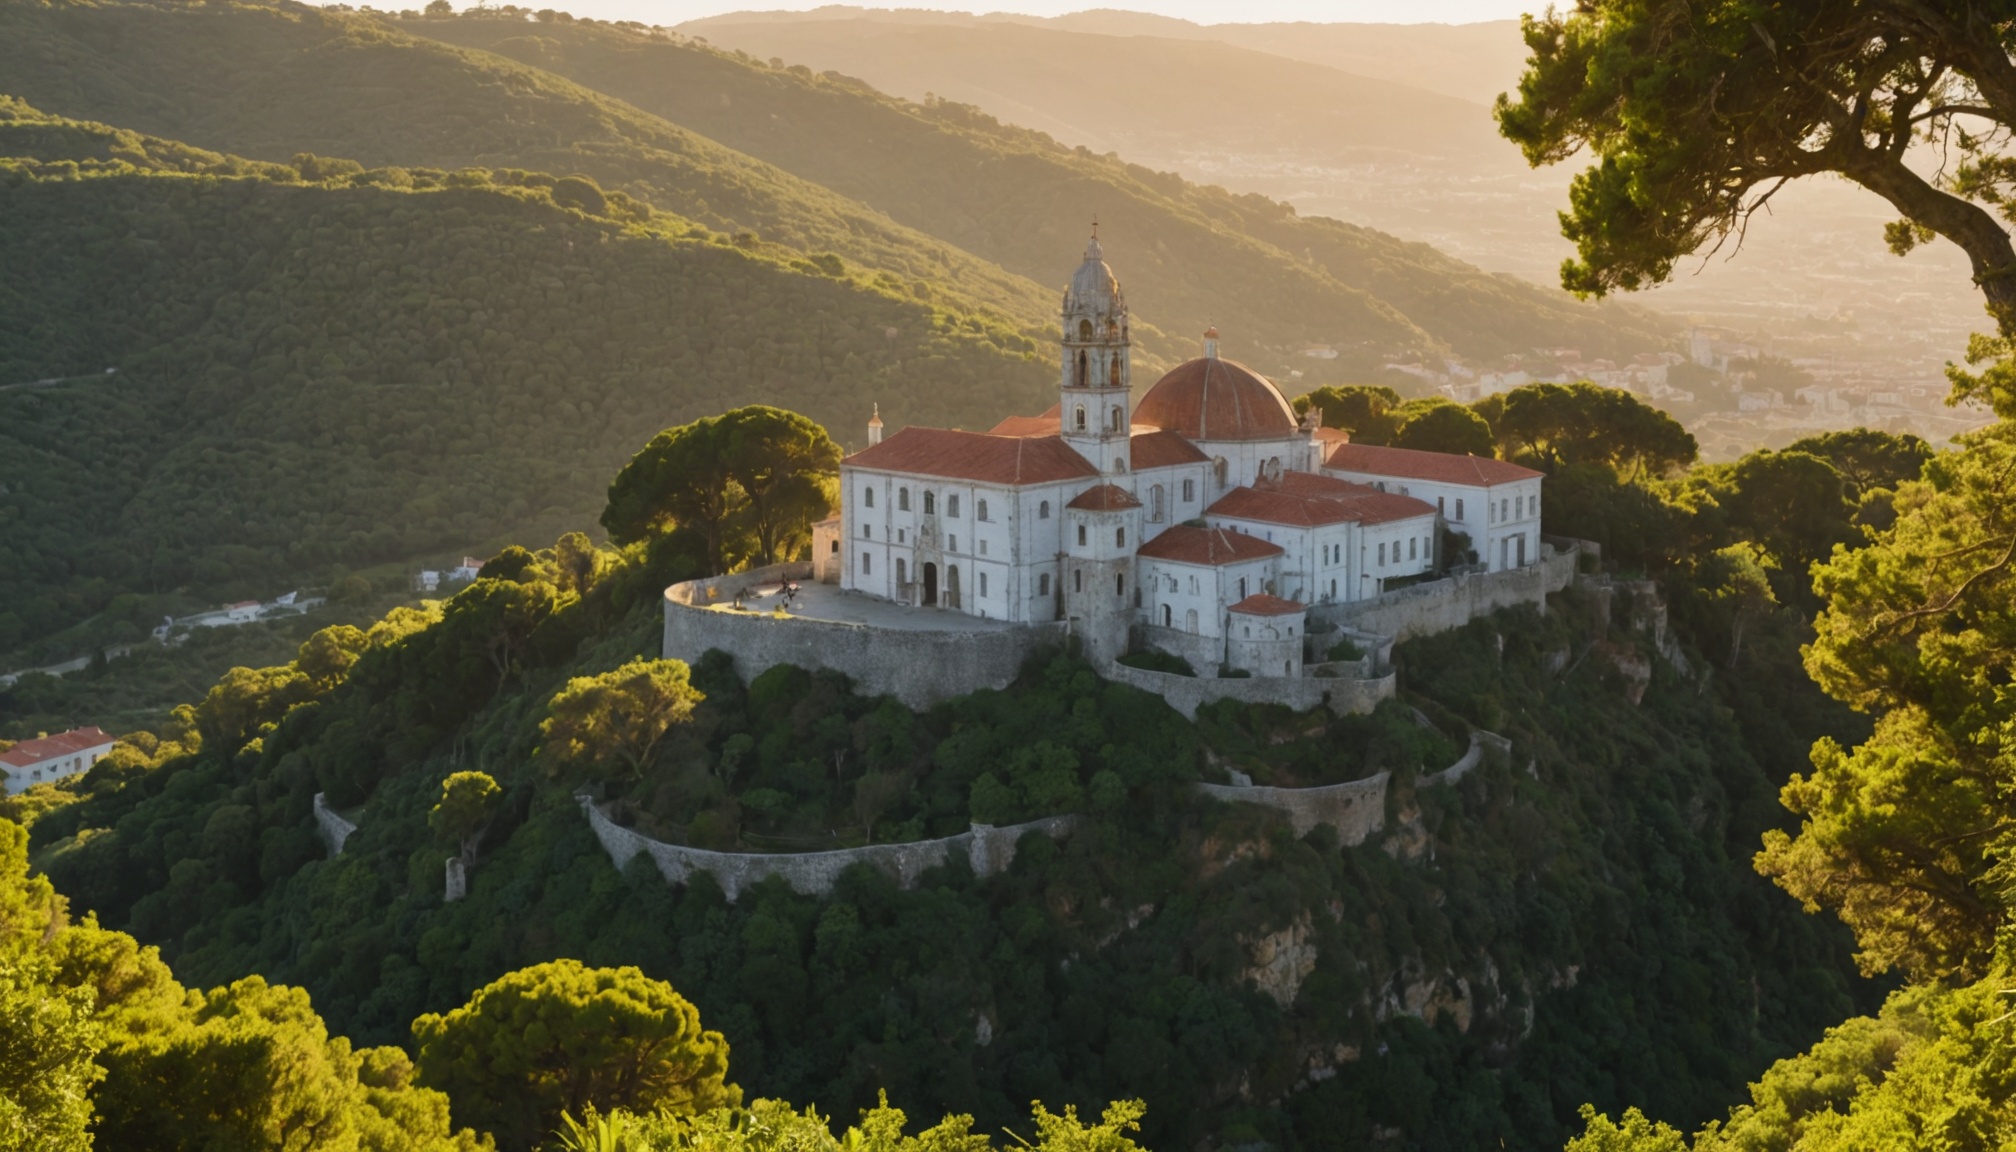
(1693, 124)
(561, 1038)
(268, 82)
(1597, 907)
(1190, 255)
(323, 366)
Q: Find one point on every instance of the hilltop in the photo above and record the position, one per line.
(1193, 254)
(320, 366)
(1471, 62)
(267, 82)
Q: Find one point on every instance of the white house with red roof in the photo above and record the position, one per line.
(1167, 513)
(47, 759)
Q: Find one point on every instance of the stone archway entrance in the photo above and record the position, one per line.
(930, 585)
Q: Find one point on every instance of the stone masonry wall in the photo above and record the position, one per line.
(334, 829)
(1439, 605)
(920, 668)
(988, 849)
(1186, 694)
(1357, 808)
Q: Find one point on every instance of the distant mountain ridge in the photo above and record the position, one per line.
(1474, 61)
(1191, 255)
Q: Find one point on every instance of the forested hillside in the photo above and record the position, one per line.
(269, 81)
(1190, 255)
(320, 366)
(1577, 922)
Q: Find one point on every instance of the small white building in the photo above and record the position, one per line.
(51, 758)
(243, 612)
(467, 571)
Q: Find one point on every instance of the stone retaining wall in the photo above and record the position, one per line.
(1440, 605)
(1357, 808)
(920, 668)
(335, 829)
(1187, 694)
(988, 849)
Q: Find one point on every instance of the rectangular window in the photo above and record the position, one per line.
(983, 585)
(901, 536)
(1189, 490)
(902, 576)
(1410, 548)
(952, 543)
(1081, 535)
(867, 531)
(983, 547)
(952, 506)
(1043, 584)
(1382, 555)
(867, 564)
(1459, 508)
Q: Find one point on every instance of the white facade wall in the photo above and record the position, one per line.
(26, 776)
(1394, 549)
(1473, 509)
(1249, 460)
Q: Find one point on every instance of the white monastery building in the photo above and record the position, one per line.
(51, 758)
(1206, 510)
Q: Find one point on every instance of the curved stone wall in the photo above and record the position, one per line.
(1186, 694)
(919, 667)
(1357, 808)
(335, 829)
(988, 849)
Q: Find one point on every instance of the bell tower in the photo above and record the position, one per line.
(1094, 403)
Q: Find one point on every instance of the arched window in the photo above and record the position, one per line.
(930, 504)
(980, 509)
(1081, 535)
(1218, 469)
(1043, 584)
(1119, 584)
(1273, 468)
(1084, 370)
(1190, 621)
(902, 499)
(952, 586)
(1155, 504)
(952, 505)
(1113, 373)
(1085, 331)
(1119, 463)
(1168, 616)
(868, 497)
(1119, 537)
(1078, 417)
(1043, 510)
(1116, 420)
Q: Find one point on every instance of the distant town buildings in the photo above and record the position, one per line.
(50, 758)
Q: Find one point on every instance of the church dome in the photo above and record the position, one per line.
(1213, 399)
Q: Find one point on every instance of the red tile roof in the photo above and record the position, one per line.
(1213, 399)
(1104, 498)
(1261, 604)
(1049, 423)
(978, 456)
(43, 748)
(1409, 463)
(1162, 450)
(1190, 545)
(1301, 499)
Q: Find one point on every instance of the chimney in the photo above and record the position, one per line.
(875, 426)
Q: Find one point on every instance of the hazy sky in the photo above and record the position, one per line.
(670, 12)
